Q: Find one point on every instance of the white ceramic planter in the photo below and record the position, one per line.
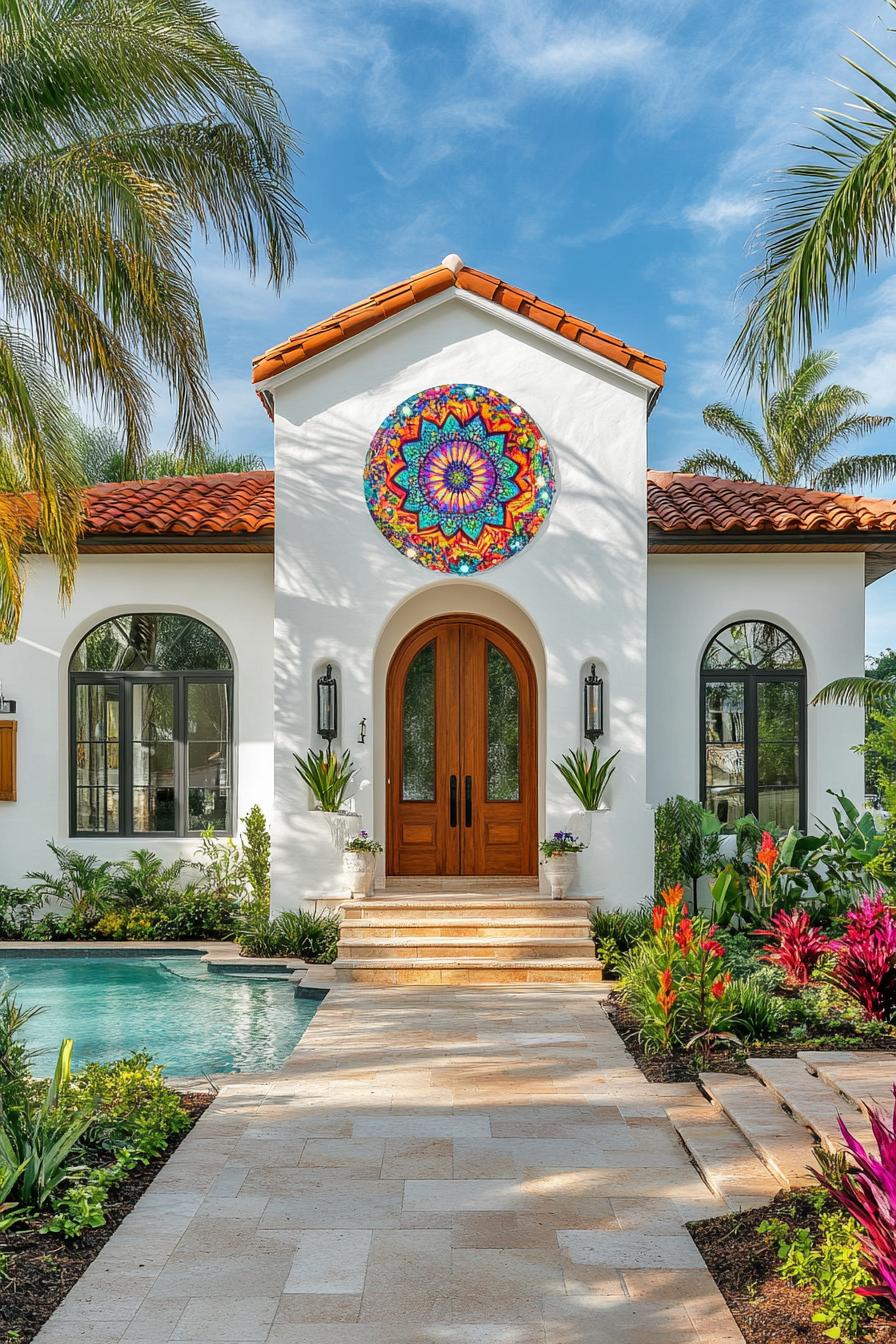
(560, 870)
(359, 866)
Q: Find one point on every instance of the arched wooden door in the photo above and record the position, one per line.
(461, 775)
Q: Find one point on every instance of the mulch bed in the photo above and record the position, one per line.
(682, 1067)
(41, 1269)
(745, 1267)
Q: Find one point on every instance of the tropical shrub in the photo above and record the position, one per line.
(694, 850)
(144, 881)
(221, 867)
(830, 1266)
(756, 1013)
(327, 775)
(615, 933)
(40, 1139)
(587, 775)
(795, 945)
(17, 907)
(131, 1106)
(667, 866)
(675, 981)
(868, 1193)
(294, 933)
(196, 914)
(865, 965)
(84, 885)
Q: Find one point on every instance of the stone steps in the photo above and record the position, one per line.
(811, 1101)
(467, 971)
(782, 1143)
(466, 940)
(431, 948)
(859, 1077)
(721, 1154)
(452, 926)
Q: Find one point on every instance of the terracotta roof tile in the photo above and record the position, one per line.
(677, 502)
(396, 298)
(229, 503)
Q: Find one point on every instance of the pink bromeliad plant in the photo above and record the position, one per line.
(869, 1194)
(865, 968)
(795, 945)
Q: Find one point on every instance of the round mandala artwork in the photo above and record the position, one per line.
(458, 478)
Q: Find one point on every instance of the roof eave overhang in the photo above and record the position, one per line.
(266, 386)
(252, 543)
(879, 548)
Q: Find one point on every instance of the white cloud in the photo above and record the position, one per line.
(722, 212)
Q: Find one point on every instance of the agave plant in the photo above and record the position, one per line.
(327, 776)
(587, 775)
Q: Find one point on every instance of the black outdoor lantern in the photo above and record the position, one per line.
(6, 706)
(327, 705)
(594, 705)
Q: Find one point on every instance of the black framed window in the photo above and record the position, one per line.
(150, 728)
(753, 725)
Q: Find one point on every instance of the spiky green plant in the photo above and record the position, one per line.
(126, 130)
(587, 775)
(327, 776)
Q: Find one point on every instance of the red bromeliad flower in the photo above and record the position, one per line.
(718, 987)
(659, 917)
(795, 945)
(767, 854)
(713, 946)
(673, 896)
(667, 995)
(684, 935)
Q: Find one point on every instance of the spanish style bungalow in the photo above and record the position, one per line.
(460, 530)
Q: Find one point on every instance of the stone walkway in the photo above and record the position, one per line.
(431, 1166)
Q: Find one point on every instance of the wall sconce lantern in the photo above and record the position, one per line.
(594, 705)
(327, 705)
(6, 706)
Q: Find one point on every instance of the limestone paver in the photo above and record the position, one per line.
(783, 1144)
(811, 1101)
(725, 1160)
(859, 1077)
(432, 1165)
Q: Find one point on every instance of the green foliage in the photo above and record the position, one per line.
(831, 1266)
(802, 421)
(40, 1140)
(756, 1013)
(327, 775)
(694, 852)
(144, 881)
(84, 885)
(740, 953)
(294, 933)
(256, 845)
(132, 1107)
(667, 863)
(17, 907)
(222, 871)
(615, 933)
(587, 775)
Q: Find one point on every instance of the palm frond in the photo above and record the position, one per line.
(852, 473)
(709, 463)
(726, 420)
(872, 692)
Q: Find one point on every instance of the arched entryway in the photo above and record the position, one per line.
(461, 760)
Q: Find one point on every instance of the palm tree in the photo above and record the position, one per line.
(104, 458)
(801, 425)
(125, 129)
(830, 216)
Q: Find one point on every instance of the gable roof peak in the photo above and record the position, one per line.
(453, 274)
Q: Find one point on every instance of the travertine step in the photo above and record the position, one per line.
(721, 1154)
(473, 907)
(451, 926)
(811, 1101)
(514, 949)
(467, 971)
(860, 1077)
(783, 1144)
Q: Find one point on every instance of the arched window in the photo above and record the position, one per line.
(753, 693)
(150, 715)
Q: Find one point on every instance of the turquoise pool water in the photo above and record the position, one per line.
(190, 1020)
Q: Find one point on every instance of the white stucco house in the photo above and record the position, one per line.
(461, 527)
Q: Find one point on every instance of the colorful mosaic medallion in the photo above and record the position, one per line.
(458, 478)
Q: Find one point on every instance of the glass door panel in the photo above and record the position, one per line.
(153, 710)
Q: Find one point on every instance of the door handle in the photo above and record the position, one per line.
(468, 800)
(452, 801)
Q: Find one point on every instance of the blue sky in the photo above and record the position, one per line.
(611, 157)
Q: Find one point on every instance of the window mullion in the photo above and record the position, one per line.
(125, 758)
(180, 756)
(751, 747)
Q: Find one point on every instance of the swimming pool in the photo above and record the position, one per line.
(190, 1020)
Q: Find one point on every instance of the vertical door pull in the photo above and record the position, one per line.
(452, 803)
(468, 800)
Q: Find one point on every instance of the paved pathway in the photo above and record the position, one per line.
(431, 1166)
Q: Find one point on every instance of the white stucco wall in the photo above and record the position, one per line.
(580, 585)
(231, 593)
(818, 599)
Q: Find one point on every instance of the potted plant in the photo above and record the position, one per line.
(327, 776)
(560, 860)
(359, 863)
(588, 777)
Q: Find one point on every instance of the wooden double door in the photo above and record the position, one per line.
(461, 781)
